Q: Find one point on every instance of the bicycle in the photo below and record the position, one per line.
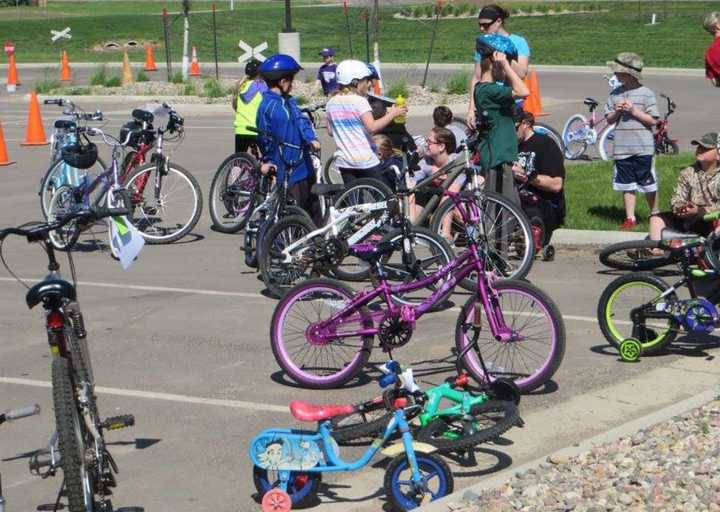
(639, 313)
(639, 255)
(663, 143)
(580, 132)
(88, 468)
(12, 415)
(288, 463)
(65, 134)
(322, 332)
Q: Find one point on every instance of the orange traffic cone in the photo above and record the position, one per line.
(127, 77)
(194, 65)
(4, 158)
(12, 79)
(65, 73)
(150, 59)
(35, 133)
(529, 102)
(535, 94)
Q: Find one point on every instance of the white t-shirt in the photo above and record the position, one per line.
(356, 147)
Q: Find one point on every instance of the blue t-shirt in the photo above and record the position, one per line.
(520, 43)
(328, 78)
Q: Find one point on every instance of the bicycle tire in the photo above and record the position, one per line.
(606, 143)
(278, 276)
(61, 204)
(47, 185)
(347, 370)
(551, 132)
(435, 432)
(615, 334)
(79, 485)
(350, 427)
(220, 203)
(144, 217)
(331, 174)
(635, 255)
(430, 466)
(573, 149)
(540, 304)
(520, 241)
(440, 254)
(79, 345)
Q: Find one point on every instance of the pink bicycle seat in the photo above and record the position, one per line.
(305, 411)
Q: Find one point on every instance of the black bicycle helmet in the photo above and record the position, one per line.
(80, 156)
(252, 68)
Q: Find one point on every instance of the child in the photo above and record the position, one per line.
(495, 108)
(634, 108)
(326, 76)
(351, 123)
(387, 156)
(279, 115)
(443, 117)
(245, 103)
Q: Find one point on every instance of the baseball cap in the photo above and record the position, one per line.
(708, 141)
(327, 52)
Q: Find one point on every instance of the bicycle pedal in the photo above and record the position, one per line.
(38, 462)
(118, 422)
(149, 210)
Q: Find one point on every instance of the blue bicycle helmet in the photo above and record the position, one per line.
(373, 72)
(486, 44)
(279, 66)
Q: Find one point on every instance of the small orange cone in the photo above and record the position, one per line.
(529, 102)
(127, 77)
(12, 79)
(35, 133)
(535, 94)
(194, 65)
(65, 73)
(4, 158)
(150, 59)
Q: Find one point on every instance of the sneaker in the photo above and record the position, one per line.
(628, 224)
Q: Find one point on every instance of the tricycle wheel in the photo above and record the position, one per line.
(630, 350)
(548, 253)
(302, 487)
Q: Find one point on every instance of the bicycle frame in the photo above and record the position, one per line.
(463, 402)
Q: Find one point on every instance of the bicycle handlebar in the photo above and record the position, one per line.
(22, 412)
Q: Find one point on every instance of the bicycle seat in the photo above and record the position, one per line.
(590, 102)
(143, 115)
(326, 189)
(370, 252)
(305, 411)
(65, 124)
(54, 288)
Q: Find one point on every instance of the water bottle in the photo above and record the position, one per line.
(400, 102)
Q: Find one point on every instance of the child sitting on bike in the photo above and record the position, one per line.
(494, 112)
(245, 103)
(387, 156)
(696, 193)
(351, 123)
(279, 115)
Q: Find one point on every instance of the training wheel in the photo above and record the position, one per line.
(630, 350)
(548, 253)
(276, 500)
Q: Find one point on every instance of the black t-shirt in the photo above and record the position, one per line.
(540, 153)
(397, 132)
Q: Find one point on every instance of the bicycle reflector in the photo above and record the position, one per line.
(400, 403)
(55, 320)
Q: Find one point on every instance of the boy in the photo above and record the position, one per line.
(634, 108)
(327, 76)
(494, 113)
(279, 115)
(245, 103)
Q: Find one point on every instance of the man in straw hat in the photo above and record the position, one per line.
(634, 108)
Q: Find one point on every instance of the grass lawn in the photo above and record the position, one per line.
(592, 203)
(582, 39)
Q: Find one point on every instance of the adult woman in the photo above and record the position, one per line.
(491, 20)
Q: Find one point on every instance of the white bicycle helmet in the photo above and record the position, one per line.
(349, 70)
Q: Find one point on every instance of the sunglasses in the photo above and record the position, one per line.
(486, 24)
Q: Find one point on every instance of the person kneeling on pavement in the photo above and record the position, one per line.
(540, 174)
(696, 193)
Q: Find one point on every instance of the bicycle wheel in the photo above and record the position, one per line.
(60, 174)
(63, 203)
(362, 191)
(637, 293)
(73, 440)
(315, 356)
(574, 136)
(366, 423)
(403, 493)
(431, 252)
(166, 214)
(302, 487)
(606, 144)
(485, 422)
(536, 348)
(505, 236)
(635, 255)
(331, 172)
(278, 275)
(231, 192)
(551, 132)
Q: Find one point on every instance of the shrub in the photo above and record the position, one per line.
(46, 83)
(458, 83)
(212, 88)
(177, 77)
(99, 77)
(189, 89)
(397, 89)
(113, 81)
(301, 100)
(447, 9)
(142, 76)
(429, 11)
(77, 91)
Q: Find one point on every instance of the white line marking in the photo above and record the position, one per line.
(192, 291)
(168, 397)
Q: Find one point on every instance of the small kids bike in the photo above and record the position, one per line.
(289, 463)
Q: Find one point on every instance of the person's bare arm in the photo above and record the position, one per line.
(519, 88)
(375, 125)
(474, 79)
(547, 183)
(521, 66)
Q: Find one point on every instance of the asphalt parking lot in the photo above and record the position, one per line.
(181, 341)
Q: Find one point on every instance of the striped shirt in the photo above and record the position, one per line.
(631, 136)
(356, 147)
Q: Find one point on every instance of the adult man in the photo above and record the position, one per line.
(712, 55)
(541, 172)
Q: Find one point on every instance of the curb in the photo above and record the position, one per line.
(450, 502)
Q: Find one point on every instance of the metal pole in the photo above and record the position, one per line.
(232, 5)
(347, 26)
(376, 31)
(186, 39)
(288, 18)
(438, 8)
(367, 37)
(166, 34)
(217, 70)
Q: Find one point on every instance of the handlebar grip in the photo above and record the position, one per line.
(102, 212)
(54, 102)
(709, 217)
(387, 380)
(23, 412)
